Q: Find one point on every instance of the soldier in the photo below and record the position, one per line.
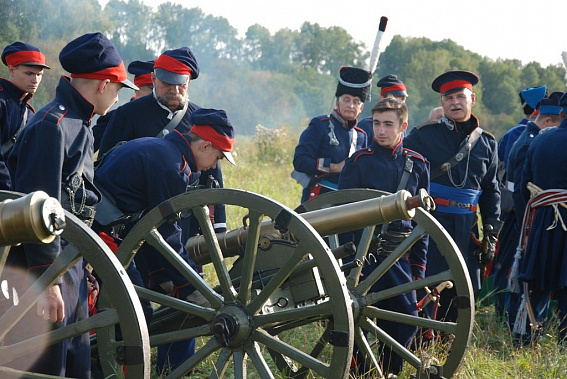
(168, 166)
(386, 165)
(166, 108)
(464, 160)
(543, 265)
(435, 114)
(55, 155)
(506, 302)
(330, 139)
(142, 71)
(390, 86)
(25, 67)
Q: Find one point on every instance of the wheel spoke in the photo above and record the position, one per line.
(250, 253)
(320, 311)
(201, 213)
(221, 364)
(374, 297)
(180, 335)
(390, 342)
(200, 355)
(361, 252)
(3, 256)
(289, 351)
(382, 314)
(156, 240)
(259, 361)
(366, 351)
(205, 313)
(389, 261)
(100, 320)
(277, 280)
(239, 359)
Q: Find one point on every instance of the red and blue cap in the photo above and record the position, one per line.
(391, 84)
(93, 56)
(550, 105)
(176, 66)
(142, 71)
(213, 125)
(23, 53)
(453, 81)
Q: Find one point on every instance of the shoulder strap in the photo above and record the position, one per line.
(6, 146)
(173, 122)
(466, 147)
(408, 168)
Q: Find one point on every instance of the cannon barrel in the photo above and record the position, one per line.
(342, 218)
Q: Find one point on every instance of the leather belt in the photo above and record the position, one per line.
(456, 204)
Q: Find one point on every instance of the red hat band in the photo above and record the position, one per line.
(209, 133)
(114, 74)
(455, 84)
(396, 87)
(143, 80)
(25, 57)
(172, 65)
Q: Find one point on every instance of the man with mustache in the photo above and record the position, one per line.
(25, 68)
(464, 163)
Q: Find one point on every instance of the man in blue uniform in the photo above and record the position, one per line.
(544, 264)
(386, 165)
(506, 302)
(166, 108)
(464, 161)
(330, 139)
(390, 86)
(142, 71)
(25, 67)
(167, 167)
(55, 155)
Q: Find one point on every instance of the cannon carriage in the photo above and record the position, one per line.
(279, 302)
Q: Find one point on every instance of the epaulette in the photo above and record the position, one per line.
(414, 154)
(419, 126)
(55, 114)
(488, 134)
(363, 151)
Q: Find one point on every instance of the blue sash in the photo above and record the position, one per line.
(459, 200)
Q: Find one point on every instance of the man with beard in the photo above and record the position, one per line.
(25, 68)
(464, 162)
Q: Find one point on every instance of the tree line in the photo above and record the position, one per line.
(284, 78)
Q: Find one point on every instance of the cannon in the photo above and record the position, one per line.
(280, 302)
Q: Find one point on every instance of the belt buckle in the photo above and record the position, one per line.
(452, 203)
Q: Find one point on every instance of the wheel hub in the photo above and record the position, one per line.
(232, 326)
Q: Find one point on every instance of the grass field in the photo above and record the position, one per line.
(264, 164)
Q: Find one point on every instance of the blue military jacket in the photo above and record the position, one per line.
(144, 117)
(143, 173)
(317, 149)
(56, 143)
(439, 141)
(381, 168)
(508, 139)
(13, 105)
(545, 259)
(515, 165)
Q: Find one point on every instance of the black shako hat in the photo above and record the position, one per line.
(452, 81)
(354, 81)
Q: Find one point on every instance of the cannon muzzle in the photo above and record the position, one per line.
(342, 218)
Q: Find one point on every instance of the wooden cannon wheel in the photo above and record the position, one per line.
(235, 336)
(123, 308)
(367, 316)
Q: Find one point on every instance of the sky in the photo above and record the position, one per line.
(515, 29)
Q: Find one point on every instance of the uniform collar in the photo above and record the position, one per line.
(532, 127)
(71, 100)
(14, 91)
(170, 114)
(563, 123)
(393, 151)
(345, 123)
(465, 127)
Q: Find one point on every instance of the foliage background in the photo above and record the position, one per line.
(280, 79)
